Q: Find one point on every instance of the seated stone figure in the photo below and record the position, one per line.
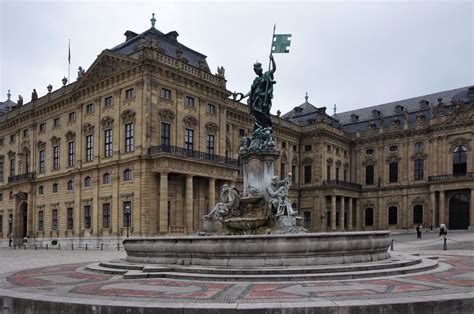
(230, 201)
(278, 196)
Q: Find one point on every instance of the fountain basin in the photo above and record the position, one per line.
(261, 250)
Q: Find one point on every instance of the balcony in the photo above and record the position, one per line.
(452, 177)
(187, 153)
(25, 177)
(342, 184)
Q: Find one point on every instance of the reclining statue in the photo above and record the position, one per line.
(229, 203)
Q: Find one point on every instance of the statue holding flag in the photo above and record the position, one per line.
(261, 91)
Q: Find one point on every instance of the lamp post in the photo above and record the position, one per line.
(127, 216)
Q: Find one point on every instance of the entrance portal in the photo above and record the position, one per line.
(459, 211)
(24, 220)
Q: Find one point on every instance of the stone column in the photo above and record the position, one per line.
(433, 208)
(341, 214)
(16, 221)
(381, 214)
(471, 210)
(358, 224)
(29, 227)
(212, 193)
(405, 211)
(333, 212)
(349, 216)
(164, 202)
(188, 206)
(442, 208)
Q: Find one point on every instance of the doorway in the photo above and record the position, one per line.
(459, 212)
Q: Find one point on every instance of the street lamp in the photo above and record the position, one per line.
(127, 215)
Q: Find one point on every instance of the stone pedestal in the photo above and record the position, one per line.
(258, 170)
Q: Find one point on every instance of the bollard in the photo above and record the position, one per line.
(102, 246)
(47, 246)
(35, 246)
(24, 246)
(59, 246)
(118, 246)
(86, 246)
(445, 244)
(391, 246)
(72, 246)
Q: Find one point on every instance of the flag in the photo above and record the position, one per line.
(69, 52)
(281, 42)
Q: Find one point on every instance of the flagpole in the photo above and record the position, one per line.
(69, 61)
(269, 63)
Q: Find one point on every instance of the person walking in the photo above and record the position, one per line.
(418, 231)
(442, 230)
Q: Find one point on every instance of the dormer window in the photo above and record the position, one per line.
(354, 118)
(423, 104)
(375, 113)
(399, 109)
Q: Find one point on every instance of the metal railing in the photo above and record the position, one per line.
(451, 177)
(183, 152)
(29, 176)
(174, 229)
(342, 184)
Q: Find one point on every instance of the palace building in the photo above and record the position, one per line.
(141, 143)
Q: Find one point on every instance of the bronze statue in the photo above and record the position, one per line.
(20, 101)
(34, 95)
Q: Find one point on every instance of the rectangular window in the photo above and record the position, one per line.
(55, 220)
(72, 116)
(90, 108)
(165, 134)
(418, 169)
(108, 143)
(328, 173)
(337, 173)
(308, 148)
(87, 217)
(1, 169)
(241, 132)
(106, 215)
(307, 219)
(282, 171)
(227, 128)
(295, 148)
(283, 144)
(211, 108)
(71, 160)
(369, 217)
(392, 215)
(12, 167)
(127, 214)
(70, 218)
(42, 161)
(56, 122)
(2, 141)
(56, 157)
(165, 93)
(89, 147)
(108, 101)
(129, 93)
(26, 132)
(42, 127)
(210, 144)
(40, 221)
(129, 137)
(188, 139)
(12, 138)
(293, 172)
(369, 174)
(1, 197)
(189, 101)
(307, 174)
(393, 172)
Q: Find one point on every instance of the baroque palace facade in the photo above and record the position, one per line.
(142, 142)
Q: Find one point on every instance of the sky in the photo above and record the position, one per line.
(348, 53)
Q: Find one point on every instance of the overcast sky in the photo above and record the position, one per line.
(353, 54)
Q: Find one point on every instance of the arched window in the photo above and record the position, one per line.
(106, 178)
(40, 190)
(460, 160)
(87, 182)
(392, 215)
(127, 175)
(70, 185)
(369, 216)
(418, 214)
(55, 187)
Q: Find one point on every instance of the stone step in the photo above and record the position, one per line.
(97, 267)
(424, 265)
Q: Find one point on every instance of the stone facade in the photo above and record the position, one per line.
(151, 131)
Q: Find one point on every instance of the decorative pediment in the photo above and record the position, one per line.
(460, 141)
(418, 201)
(307, 160)
(55, 140)
(107, 122)
(190, 122)
(393, 158)
(105, 66)
(167, 115)
(369, 161)
(88, 128)
(211, 127)
(419, 155)
(21, 196)
(338, 163)
(11, 154)
(420, 121)
(346, 165)
(128, 116)
(295, 161)
(368, 204)
(329, 160)
(41, 145)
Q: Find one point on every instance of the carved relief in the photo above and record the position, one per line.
(369, 161)
(460, 141)
(418, 201)
(329, 161)
(41, 145)
(88, 128)
(55, 140)
(211, 127)
(11, 154)
(190, 122)
(307, 161)
(393, 158)
(107, 122)
(338, 163)
(128, 116)
(139, 84)
(167, 115)
(70, 135)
